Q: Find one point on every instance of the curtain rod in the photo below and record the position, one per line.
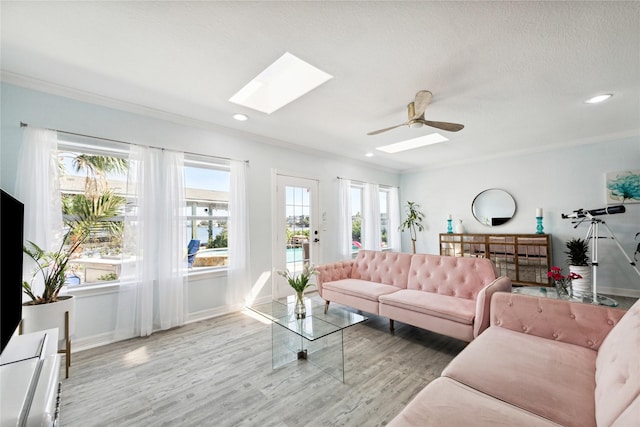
(364, 182)
(24, 125)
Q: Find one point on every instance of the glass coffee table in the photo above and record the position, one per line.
(317, 338)
(549, 292)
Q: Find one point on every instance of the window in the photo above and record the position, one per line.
(383, 196)
(359, 216)
(356, 218)
(93, 182)
(207, 212)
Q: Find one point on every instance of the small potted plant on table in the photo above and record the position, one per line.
(578, 258)
(300, 283)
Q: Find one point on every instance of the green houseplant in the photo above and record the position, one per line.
(299, 284)
(90, 215)
(413, 222)
(577, 251)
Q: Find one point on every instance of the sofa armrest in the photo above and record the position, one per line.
(334, 271)
(576, 323)
(483, 302)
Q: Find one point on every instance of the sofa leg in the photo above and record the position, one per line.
(391, 328)
(326, 306)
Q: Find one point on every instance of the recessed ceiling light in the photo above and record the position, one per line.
(241, 117)
(598, 99)
(368, 155)
(410, 144)
(280, 83)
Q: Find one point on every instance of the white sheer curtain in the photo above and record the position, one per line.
(344, 218)
(38, 187)
(155, 234)
(238, 275)
(371, 238)
(170, 237)
(135, 304)
(393, 233)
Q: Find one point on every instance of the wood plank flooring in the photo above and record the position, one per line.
(218, 373)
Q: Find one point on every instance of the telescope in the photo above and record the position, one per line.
(583, 213)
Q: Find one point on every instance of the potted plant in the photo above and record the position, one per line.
(578, 258)
(299, 284)
(413, 223)
(46, 309)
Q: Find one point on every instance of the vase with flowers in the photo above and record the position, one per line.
(300, 283)
(562, 282)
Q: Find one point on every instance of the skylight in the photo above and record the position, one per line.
(280, 83)
(410, 144)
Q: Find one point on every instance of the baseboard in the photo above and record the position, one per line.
(621, 292)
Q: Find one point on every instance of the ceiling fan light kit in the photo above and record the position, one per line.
(415, 113)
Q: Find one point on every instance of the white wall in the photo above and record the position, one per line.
(559, 182)
(96, 308)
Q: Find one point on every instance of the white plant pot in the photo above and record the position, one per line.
(581, 285)
(39, 317)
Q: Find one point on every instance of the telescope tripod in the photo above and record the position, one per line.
(592, 233)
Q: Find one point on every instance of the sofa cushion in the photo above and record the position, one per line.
(618, 369)
(360, 288)
(390, 268)
(445, 402)
(452, 276)
(553, 379)
(451, 308)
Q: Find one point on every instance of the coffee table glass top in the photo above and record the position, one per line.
(549, 292)
(315, 325)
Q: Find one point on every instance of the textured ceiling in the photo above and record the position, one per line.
(514, 73)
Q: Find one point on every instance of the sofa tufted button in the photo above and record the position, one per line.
(498, 322)
(610, 322)
(510, 304)
(524, 328)
(573, 316)
(555, 336)
(539, 309)
(589, 343)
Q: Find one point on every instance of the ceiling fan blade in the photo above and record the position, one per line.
(375, 132)
(451, 127)
(423, 99)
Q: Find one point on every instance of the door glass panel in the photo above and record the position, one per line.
(297, 227)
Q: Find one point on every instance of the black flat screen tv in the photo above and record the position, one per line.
(11, 241)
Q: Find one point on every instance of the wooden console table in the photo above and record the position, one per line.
(524, 258)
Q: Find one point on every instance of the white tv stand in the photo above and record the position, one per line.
(30, 380)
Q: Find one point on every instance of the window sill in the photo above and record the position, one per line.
(107, 288)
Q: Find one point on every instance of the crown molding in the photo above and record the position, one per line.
(143, 110)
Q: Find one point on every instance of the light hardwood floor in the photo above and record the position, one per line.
(218, 373)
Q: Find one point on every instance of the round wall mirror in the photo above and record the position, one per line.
(493, 207)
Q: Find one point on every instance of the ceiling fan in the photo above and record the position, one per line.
(416, 116)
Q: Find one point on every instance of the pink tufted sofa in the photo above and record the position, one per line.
(447, 295)
(542, 362)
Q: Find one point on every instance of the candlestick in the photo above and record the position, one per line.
(449, 227)
(539, 228)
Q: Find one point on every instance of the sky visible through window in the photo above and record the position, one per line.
(194, 177)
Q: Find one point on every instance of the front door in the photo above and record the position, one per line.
(296, 232)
